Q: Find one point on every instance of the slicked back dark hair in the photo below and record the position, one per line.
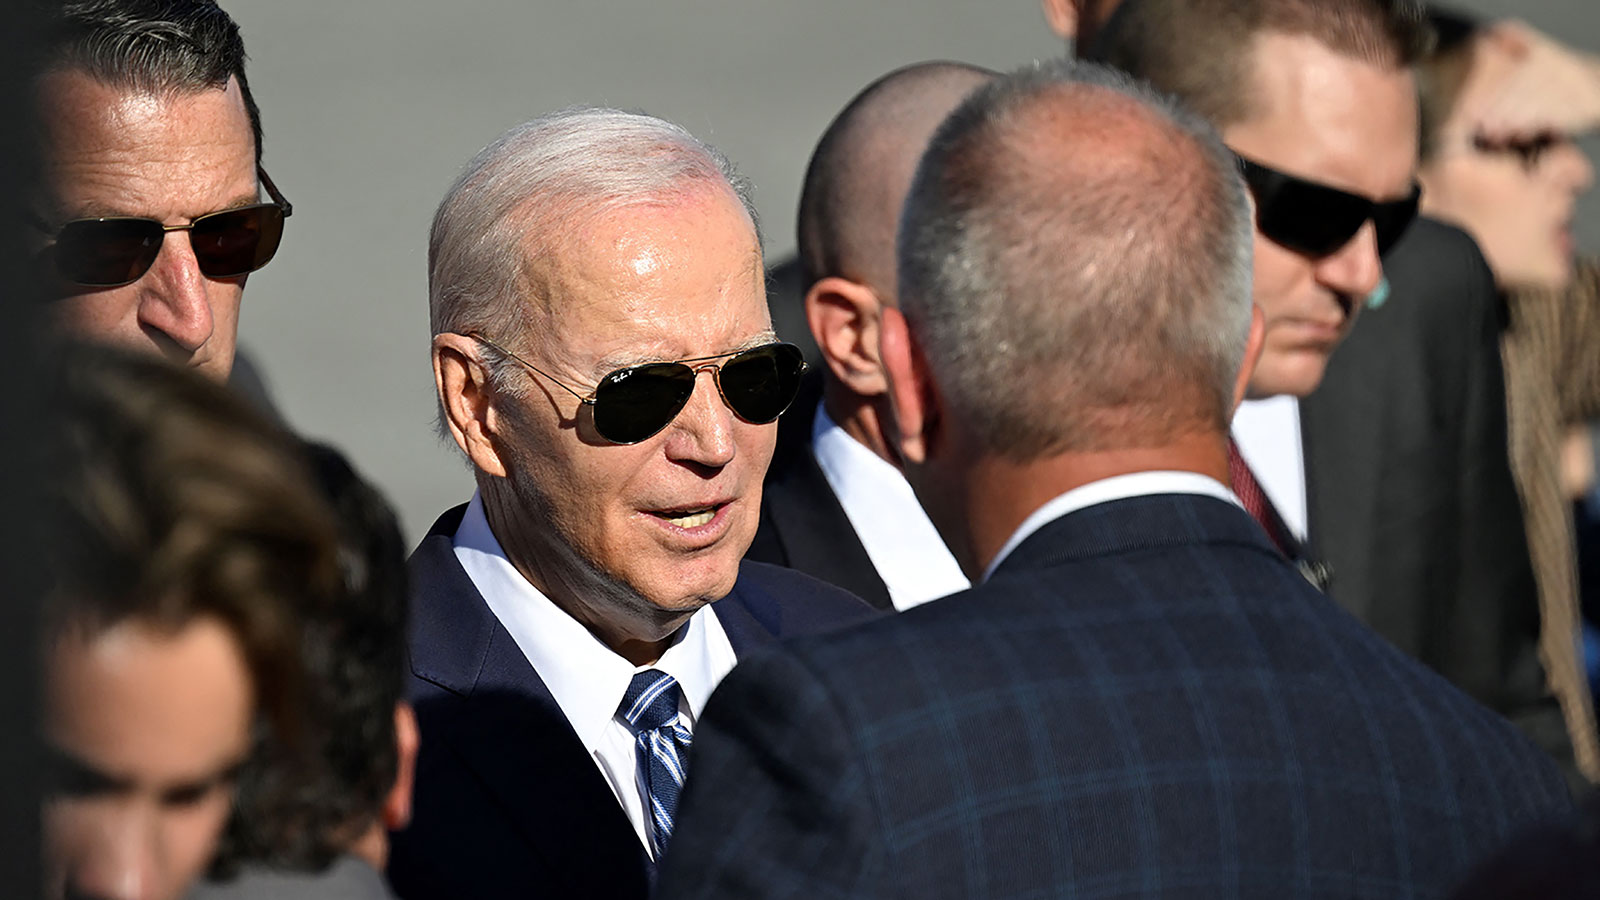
(150, 46)
(1201, 50)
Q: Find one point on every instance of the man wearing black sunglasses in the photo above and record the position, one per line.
(603, 356)
(1384, 471)
(152, 214)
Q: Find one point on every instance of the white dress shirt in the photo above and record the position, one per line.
(1268, 434)
(586, 678)
(1118, 487)
(902, 543)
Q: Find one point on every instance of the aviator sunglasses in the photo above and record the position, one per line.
(634, 403)
(1317, 220)
(115, 250)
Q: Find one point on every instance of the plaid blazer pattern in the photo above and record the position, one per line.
(1145, 700)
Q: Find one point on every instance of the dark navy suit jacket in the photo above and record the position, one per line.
(508, 803)
(1145, 700)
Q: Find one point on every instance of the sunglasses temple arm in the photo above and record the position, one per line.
(273, 192)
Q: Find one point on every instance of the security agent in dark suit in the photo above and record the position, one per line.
(1388, 478)
(835, 505)
(603, 357)
(1141, 695)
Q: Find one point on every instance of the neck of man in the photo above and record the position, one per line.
(998, 494)
(632, 626)
(863, 418)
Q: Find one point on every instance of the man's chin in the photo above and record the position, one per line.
(688, 586)
(1298, 376)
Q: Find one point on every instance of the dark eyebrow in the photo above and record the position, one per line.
(101, 211)
(66, 775)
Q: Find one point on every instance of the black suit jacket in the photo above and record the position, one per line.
(508, 803)
(1145, 700)
(1409, 486)
(803, 526)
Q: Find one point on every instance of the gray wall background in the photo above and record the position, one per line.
(371, 107)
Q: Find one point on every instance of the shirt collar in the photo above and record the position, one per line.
(1118, 487)
(586, 678)
(894, 530)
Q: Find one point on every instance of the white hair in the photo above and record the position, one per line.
(531, 183)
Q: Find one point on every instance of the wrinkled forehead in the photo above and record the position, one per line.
(664, 276)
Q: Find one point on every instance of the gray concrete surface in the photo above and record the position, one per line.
(371, 107)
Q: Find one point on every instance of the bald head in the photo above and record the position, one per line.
(1074, 232)
(862, 169)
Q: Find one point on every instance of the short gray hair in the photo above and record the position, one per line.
(1099, 301)
(535, 180)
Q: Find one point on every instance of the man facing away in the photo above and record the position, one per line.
(1141, 695)
(187, 544)
(1383, 471)
(310, 821)
(835, 505)
(604, 358)
(150, 217)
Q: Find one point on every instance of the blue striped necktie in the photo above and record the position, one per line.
(650, 707)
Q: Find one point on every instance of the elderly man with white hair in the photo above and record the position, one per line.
(605, 360)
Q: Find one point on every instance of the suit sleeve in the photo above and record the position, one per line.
(777, 802)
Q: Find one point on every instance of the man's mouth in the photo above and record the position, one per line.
(690, 519)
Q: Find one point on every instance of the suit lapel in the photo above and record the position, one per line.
(1344, 427)
(816, 534)
(802, 516)
(504, 724)
(745, 629)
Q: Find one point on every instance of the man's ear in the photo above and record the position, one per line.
(845, 320)
(407, 741)
(1062, 16)
(462, 383)
(1252, 355)
(911, 390)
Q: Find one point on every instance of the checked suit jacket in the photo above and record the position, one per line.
(508, 803)
(1144, 700)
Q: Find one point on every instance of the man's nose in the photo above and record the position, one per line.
(175, 295)
(1354, 269)
(703, 432)
(120, 862)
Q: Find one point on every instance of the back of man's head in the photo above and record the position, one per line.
(862, 167)
(299, 809)
(149, 46)
(1199, 50)
(1074, 262)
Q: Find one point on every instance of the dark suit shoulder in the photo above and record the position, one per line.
(793, 604)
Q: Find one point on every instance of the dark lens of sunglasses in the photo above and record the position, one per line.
(759, 384)
(1313, 220)
(106, 252)
(634, 403)
(1392, 221)
(237, 241)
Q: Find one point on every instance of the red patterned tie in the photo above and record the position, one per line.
(1256, 502)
